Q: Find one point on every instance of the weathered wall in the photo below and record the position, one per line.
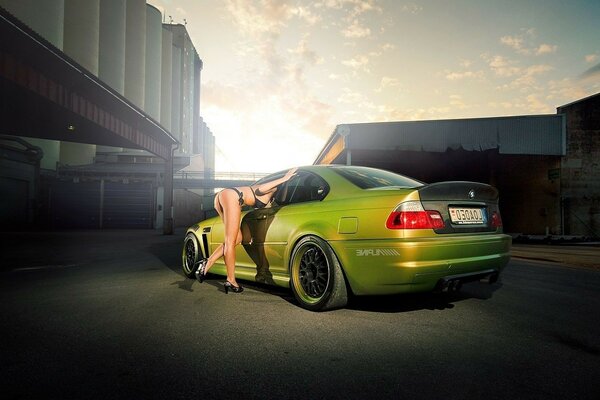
(529, 193)
(580, 168)
(187, 208)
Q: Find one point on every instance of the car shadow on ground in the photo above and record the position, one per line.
(422, 301)
(169, 253)
(386, 304)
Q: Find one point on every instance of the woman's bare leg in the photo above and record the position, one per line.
(218, 253)
(227, 206)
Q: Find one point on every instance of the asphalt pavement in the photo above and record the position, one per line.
(108, 314)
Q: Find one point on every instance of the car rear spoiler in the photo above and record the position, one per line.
(458, 191)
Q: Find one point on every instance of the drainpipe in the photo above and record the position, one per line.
(168, 195)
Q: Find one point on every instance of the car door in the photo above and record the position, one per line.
(294, 202)
(252, 253)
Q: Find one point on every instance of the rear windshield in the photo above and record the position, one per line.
(371, 178)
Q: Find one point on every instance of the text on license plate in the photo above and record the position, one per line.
(463, 216)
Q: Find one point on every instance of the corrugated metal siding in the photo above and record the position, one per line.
(128, 205)
(120, 205)
(543, 135)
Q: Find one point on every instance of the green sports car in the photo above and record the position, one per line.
(334, 231)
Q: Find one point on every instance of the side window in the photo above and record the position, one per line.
(303, 187)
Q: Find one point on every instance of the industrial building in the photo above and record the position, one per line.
(546, 167)
(100, 105)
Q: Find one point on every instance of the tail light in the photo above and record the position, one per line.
(496, 220)
(411, 215)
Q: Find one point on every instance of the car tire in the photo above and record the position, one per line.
(190, 255)
(316, 276)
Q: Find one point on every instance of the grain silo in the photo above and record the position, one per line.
(81, 42)
(111, 66)
(153, 62)
(166, 78)
(135, 50)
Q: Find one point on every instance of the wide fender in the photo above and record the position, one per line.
(322, 229)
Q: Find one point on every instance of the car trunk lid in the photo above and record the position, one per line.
(466, 207)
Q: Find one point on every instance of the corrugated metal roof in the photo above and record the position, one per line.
(537, 134)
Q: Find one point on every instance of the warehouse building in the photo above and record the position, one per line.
(141, 65)
(545, 166)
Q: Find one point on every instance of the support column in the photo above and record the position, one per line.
(168, 195)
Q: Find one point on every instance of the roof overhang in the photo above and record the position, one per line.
(532, 134)
(45, 94)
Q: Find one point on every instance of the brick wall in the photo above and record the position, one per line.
(580, 168)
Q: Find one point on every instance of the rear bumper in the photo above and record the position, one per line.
(415, 265)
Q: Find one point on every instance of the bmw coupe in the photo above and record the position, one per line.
(335, 231)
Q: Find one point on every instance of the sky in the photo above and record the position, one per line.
(279, 75)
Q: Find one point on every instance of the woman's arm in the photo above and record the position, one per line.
(269, 187)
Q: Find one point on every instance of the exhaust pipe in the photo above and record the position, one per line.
(450, 286)
(491, 278)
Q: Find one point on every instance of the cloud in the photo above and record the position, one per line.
(388, 47)
(349, 96)
(590, 58)
(305, 53)
(521, 77)
(387, 113)
(353, 8)
(357, 63)
(306, 15)
(271, 95)
(592, 73)
(527, 77)
(501, 66)
(466, 63)
(388, 82)
(412, 8)
(457, 102)
(455, 76)
(356, 30)
(567, 90)
(545, 49)
(524, 44)
(534, 104)
(350, 14)
(515, 42)
(249, 19)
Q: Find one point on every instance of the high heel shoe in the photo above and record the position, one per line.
(230, 286)
(201, 271)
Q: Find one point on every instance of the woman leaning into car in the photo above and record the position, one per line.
(229, 203)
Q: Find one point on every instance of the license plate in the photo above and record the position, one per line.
(467, 216)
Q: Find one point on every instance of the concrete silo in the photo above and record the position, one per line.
(111, 64)
(81, 42)
(176, 91)
(166, 78)
(46, 18)
(135, 51)
(153, 62)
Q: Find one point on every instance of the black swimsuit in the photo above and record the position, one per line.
(257, 203)
(241, 199)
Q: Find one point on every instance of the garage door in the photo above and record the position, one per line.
(95, 205)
